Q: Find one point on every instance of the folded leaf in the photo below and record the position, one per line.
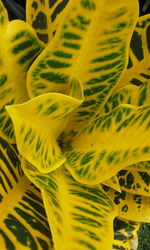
(110, 143)
(23, 222)
(131, 206)
(80, 216)
(86, 48)
(38, 124)
(44, 16)
(19, 46)
(135, 182)
(113, 183)
(138, 70)
(129, 94)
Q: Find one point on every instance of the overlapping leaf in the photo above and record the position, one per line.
(113, 183)
(44, 16)
(135, 182)
(38, 125)
(139, 55)
(98, 63)
(140, 166)
(23, 222)
(19, 46)
(80, 216)
(110, 143)
(131, 206)
(124, 231)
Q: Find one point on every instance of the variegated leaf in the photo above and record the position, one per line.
(19, 46)
(131, 206)
(113, 183)
(138, 70)
(135, 182)
(38, 125)
(110, 143)
(80, 216)
(140, 166)
(129, 94)
(23, 222)
(124, 231)
(86, 48)
(44, 16)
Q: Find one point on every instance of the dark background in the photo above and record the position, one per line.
(16, 8)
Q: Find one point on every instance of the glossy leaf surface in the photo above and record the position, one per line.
(23, 222)
(80, 216)
(97, 63)
(38, 124)
(44, 16)
(19, 46)
(110, 143)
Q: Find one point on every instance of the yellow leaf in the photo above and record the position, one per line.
(140, 166)
(19, 46)
(138, 70)
(135, 182)
(86, 48)
(110, 143)
(131, 206)
(80, 216)
(23, 221)
(38, 124)
(113, 183)
(44, 16)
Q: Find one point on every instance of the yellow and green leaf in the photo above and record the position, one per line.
(38, 124)
(74, 51)
(110, 143)
(113, 183)
(135, 182)
(124, 231)
(80, 216)
(23, 221)
(131, 206)
(138, 70)
(140, 166)
(44, 17)
(19, 46)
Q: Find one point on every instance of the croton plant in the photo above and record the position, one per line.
(74, 125)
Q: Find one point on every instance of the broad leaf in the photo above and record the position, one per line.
(19, 46)
(131, 206)
(138, 70)
(135, 182)
(23, 222)
(44, 16)
(74, 51)
(80, 216)
(110, 143)
(38, 125)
